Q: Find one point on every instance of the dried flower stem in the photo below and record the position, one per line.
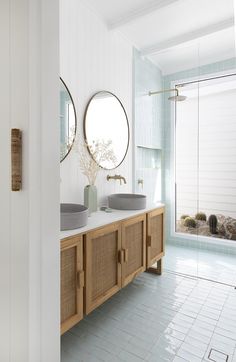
(101, 151)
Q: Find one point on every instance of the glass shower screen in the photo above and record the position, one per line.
(205, 175)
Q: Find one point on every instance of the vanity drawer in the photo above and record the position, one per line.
(155, 236)
(102, 265)
(133, 248)
(72, 282)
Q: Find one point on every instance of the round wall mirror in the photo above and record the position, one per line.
(106, 130)
(68, 121)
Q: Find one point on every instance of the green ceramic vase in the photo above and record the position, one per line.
(91, 198)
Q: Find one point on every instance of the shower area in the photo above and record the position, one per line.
(185, 155)
(201, 226)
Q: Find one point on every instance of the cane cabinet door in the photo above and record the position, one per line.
(72, 282)
(103, 265)
(133, 248)
(155, 236)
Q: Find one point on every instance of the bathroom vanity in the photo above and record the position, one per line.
(105, 255)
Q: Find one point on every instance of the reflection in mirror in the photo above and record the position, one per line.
(106, 123)
(68, 121)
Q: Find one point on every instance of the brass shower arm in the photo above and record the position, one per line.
(165, 91)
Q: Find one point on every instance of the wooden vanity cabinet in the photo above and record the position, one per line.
(155, 239)
(96, 265)
(133, 248)
(72, 282)
(102, 265)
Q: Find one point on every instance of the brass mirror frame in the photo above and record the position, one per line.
(84, 128)
(72, 101)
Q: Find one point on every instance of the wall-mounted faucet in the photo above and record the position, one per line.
(116, 177)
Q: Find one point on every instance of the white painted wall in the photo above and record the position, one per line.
(92, 58)
(29, 232)
(235, 23)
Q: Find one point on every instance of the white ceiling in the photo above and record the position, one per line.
(174, 34)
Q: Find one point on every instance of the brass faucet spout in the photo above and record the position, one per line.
(122, 178)
(116, 177)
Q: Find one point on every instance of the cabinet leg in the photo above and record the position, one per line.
(156, 269)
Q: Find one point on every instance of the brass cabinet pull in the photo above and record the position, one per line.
(149, 240)
(80, 279)
(126, 255)
(16, 159)
(121, 256)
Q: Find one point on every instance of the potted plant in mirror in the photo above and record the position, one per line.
(90, 166)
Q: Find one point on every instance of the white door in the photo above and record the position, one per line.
(29, 219)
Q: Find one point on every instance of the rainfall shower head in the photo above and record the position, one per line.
(176, 98)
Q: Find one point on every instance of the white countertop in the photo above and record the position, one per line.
(102, 218)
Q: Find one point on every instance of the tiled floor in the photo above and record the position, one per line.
(167, 318)
(207, 264)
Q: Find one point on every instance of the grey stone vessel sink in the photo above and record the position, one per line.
(127, 201)
(73, 216)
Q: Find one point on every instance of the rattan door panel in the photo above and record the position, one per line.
(133, 248)
(71, 282)
(103, 269)
(155, 236)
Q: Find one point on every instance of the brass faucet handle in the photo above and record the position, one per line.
(140, 182)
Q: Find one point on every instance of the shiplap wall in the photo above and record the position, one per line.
(29, 233)
(92, 58)
(210, 185)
